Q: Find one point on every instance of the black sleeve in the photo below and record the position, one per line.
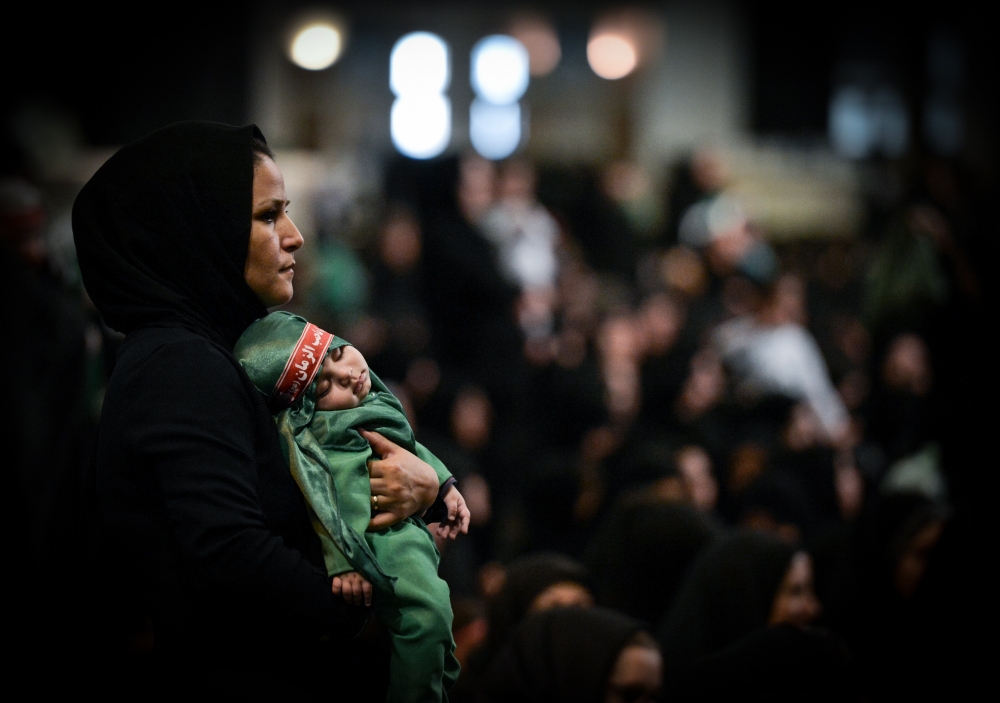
(196, 434)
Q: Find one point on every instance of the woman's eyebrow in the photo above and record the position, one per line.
(272, 202)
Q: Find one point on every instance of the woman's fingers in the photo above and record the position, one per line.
(382, 521)
(380, 445)
(405, 485)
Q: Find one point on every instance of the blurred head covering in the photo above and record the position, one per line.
(526, 579)
(729, 593)
(163, 228)
(564, 655)
(641, 553)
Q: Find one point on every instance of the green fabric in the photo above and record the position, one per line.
(265, 346)
(328, 459)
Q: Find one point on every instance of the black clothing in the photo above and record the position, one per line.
(196, 503)
(189, 464)
(777, 663)
(729, 592)
(563, 655)
(642, 551)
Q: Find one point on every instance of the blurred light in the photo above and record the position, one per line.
(499, 69)
(540, 39)
(316, 46)
(494, 130)
(611, 56)
(418, 65)
(420, 125)
(850, 129)
(863, 122)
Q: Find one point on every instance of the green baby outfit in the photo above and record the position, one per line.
(328, 458)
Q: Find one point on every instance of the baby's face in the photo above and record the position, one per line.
(343, 382)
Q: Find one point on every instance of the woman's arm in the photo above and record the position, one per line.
(183, 483)
(403, 484)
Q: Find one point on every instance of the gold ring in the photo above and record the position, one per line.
(374, 502)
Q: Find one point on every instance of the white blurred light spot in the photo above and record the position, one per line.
(499, 69)
(851, 130)
(420, 125)
(494, 130)
(316, 46)
(418, 64)
(864, 122)
(611, 56)
(542, 44)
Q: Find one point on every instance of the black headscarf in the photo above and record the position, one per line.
(728, 593)
(642, 551)
(564, 655)
(162, 232)
(526, 579)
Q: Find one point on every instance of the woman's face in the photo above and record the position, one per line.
(795, 603)
(274, 238)
(636, 676)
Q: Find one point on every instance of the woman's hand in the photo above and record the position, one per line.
(402, 485)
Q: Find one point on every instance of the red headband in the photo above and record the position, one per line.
(303, 364)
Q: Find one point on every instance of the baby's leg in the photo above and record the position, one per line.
(418, 615)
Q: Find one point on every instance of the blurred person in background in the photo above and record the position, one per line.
(744, 581)
(769, 351)
(530, 584)
(643, 546)
(576, 655)
(906, 598)
(526, 238)
(48, 357)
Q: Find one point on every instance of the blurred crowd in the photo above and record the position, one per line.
(701, 464)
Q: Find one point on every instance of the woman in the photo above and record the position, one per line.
(575, 655)
(744, 581)
(184, 239)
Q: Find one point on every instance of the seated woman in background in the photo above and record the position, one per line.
(739, 627)
(576, 655)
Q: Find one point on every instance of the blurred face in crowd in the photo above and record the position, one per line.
(695, 467)
(913, 563)
(567, 594)
(274, 238)
(637, 674)
(400, 243)
(343, 382)
(795, 603)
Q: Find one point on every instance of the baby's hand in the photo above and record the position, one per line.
(353, 586)
(458, 516)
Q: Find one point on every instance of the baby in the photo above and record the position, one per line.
(323, 393)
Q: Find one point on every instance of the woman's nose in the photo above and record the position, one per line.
(291, 239)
